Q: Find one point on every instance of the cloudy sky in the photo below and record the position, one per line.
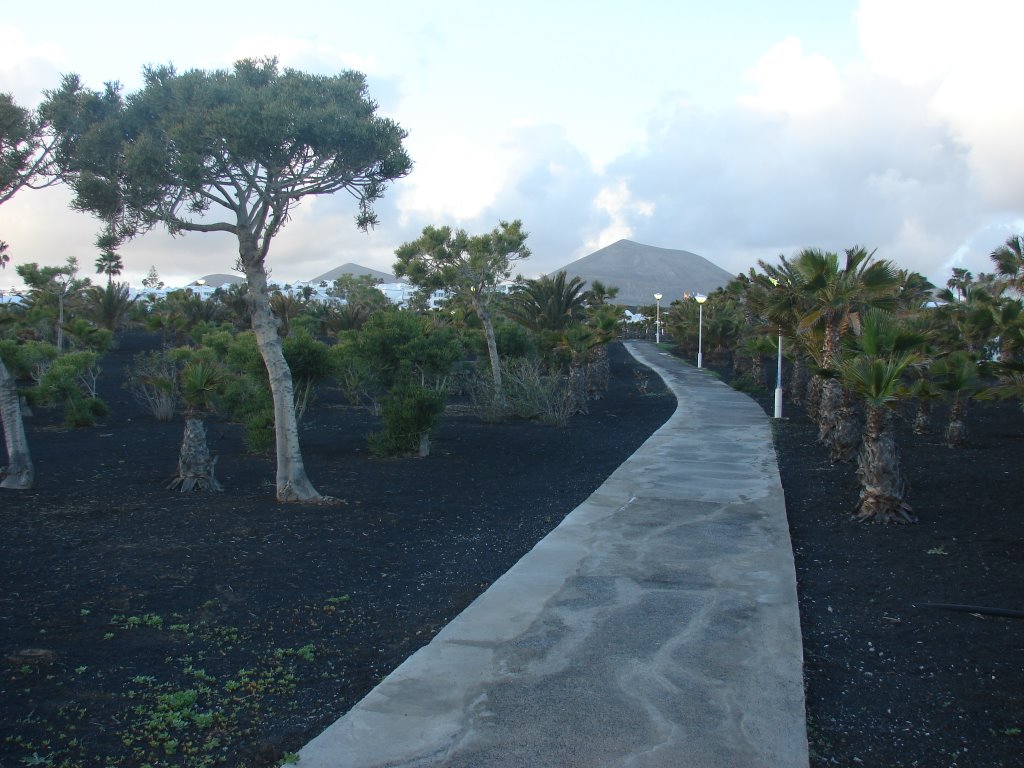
(737, 130)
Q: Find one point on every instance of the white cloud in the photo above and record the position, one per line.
(791, 81)
(618, 204)
(455, 177)
(966, 54)
(26, 69)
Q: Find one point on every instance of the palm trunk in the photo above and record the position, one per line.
(577, 384)
(837, 425)
(882, 494)
(598, 370)
(757, 369)
(195, 466)
(292, 482)
(956, 430)
(813, 397)
(796, 387)
(19, 473)
(923, 417)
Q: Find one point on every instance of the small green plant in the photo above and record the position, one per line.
(939, 550)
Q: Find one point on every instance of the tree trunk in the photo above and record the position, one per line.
(19, 473)
(598, 370)
(923, 417)
(577, 384)
(882, 490)
(195, 466)
(424, 445)
(797, 374)
(813, 398)
(292, 482)
(757, 369)
(956, 430)
(837, 425)
(492, 344)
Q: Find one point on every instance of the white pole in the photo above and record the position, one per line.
(778, 382)
(700, 334)
(657, 322)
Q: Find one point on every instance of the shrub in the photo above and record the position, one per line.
(529, 393)
(153, 380)
(408, 413)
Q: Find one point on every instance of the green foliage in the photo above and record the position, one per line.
(310, 364)
(549, 304)
(110, 305)
(360, 294)
(530, 392)
(410, 358)
(152, 378)
(408, 413)
(25, 157)
(70, 380)
(187, 141)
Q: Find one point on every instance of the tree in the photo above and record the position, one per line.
(1009, 261)
(19, 474)
(471, 268)
(152, 280)
(5, 257)
(837, 295)
(248, 143)
(25, 150)
(550, 304)
(109, 306)
(873, 370)
(109, 263)
(50, 286)
(200, 379)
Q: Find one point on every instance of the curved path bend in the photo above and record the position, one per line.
(657, 625)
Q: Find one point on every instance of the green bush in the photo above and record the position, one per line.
(152, 378)
(408, 413)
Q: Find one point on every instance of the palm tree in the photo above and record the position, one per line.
(956, 374)
(873, 371)
(199, 381)
(603, 321)
(577, 340)
(549, 303)
(784, 304)
(837, 296)
(109, 263)
(1009, 261)
(108, 306)
(5, 257)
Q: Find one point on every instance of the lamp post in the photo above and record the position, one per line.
(778, 382)
(701, 298)
(657, 322)
(778, 375)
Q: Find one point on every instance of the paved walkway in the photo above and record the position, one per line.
(656, 626)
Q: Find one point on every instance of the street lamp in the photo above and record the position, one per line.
(778, 375)
(778, 382)
(701, 298)
(657, 322)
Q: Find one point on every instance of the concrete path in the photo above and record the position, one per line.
(656, 626)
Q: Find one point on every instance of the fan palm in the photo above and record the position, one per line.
(1009, 261)
(956, 374)
(873, 371)
(549, 303)
(837, 295)
(199, 381)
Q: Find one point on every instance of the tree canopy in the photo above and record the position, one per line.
(25, 149)
(228, 151)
